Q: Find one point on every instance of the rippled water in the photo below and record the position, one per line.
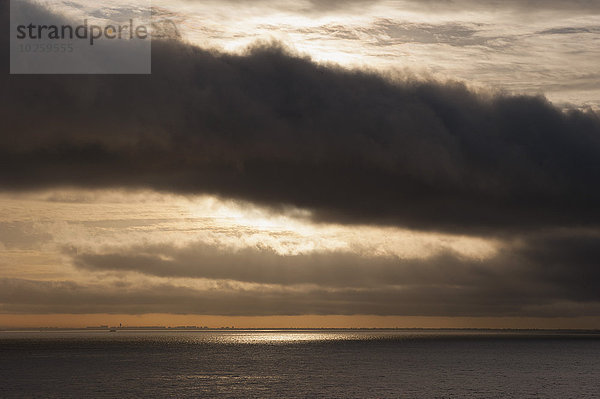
(293, 364)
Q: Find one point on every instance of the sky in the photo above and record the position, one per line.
(312, 164)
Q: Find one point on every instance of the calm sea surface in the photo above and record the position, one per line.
(299, 364)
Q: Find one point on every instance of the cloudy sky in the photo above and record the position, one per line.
(317, 163)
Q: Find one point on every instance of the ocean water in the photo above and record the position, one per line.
(299, 364)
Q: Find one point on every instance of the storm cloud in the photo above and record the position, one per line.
(277, 129)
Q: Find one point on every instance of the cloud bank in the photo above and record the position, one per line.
(547, 275)
(279, 130)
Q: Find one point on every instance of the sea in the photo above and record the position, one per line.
(460, 364)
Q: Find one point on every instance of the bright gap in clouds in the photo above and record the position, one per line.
(58, 239)
(103, 218)
(500, 46)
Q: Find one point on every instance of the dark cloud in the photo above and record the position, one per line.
(553, 274)
(279, 130)
(536, 272)
(29, 296)
(265, 266)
